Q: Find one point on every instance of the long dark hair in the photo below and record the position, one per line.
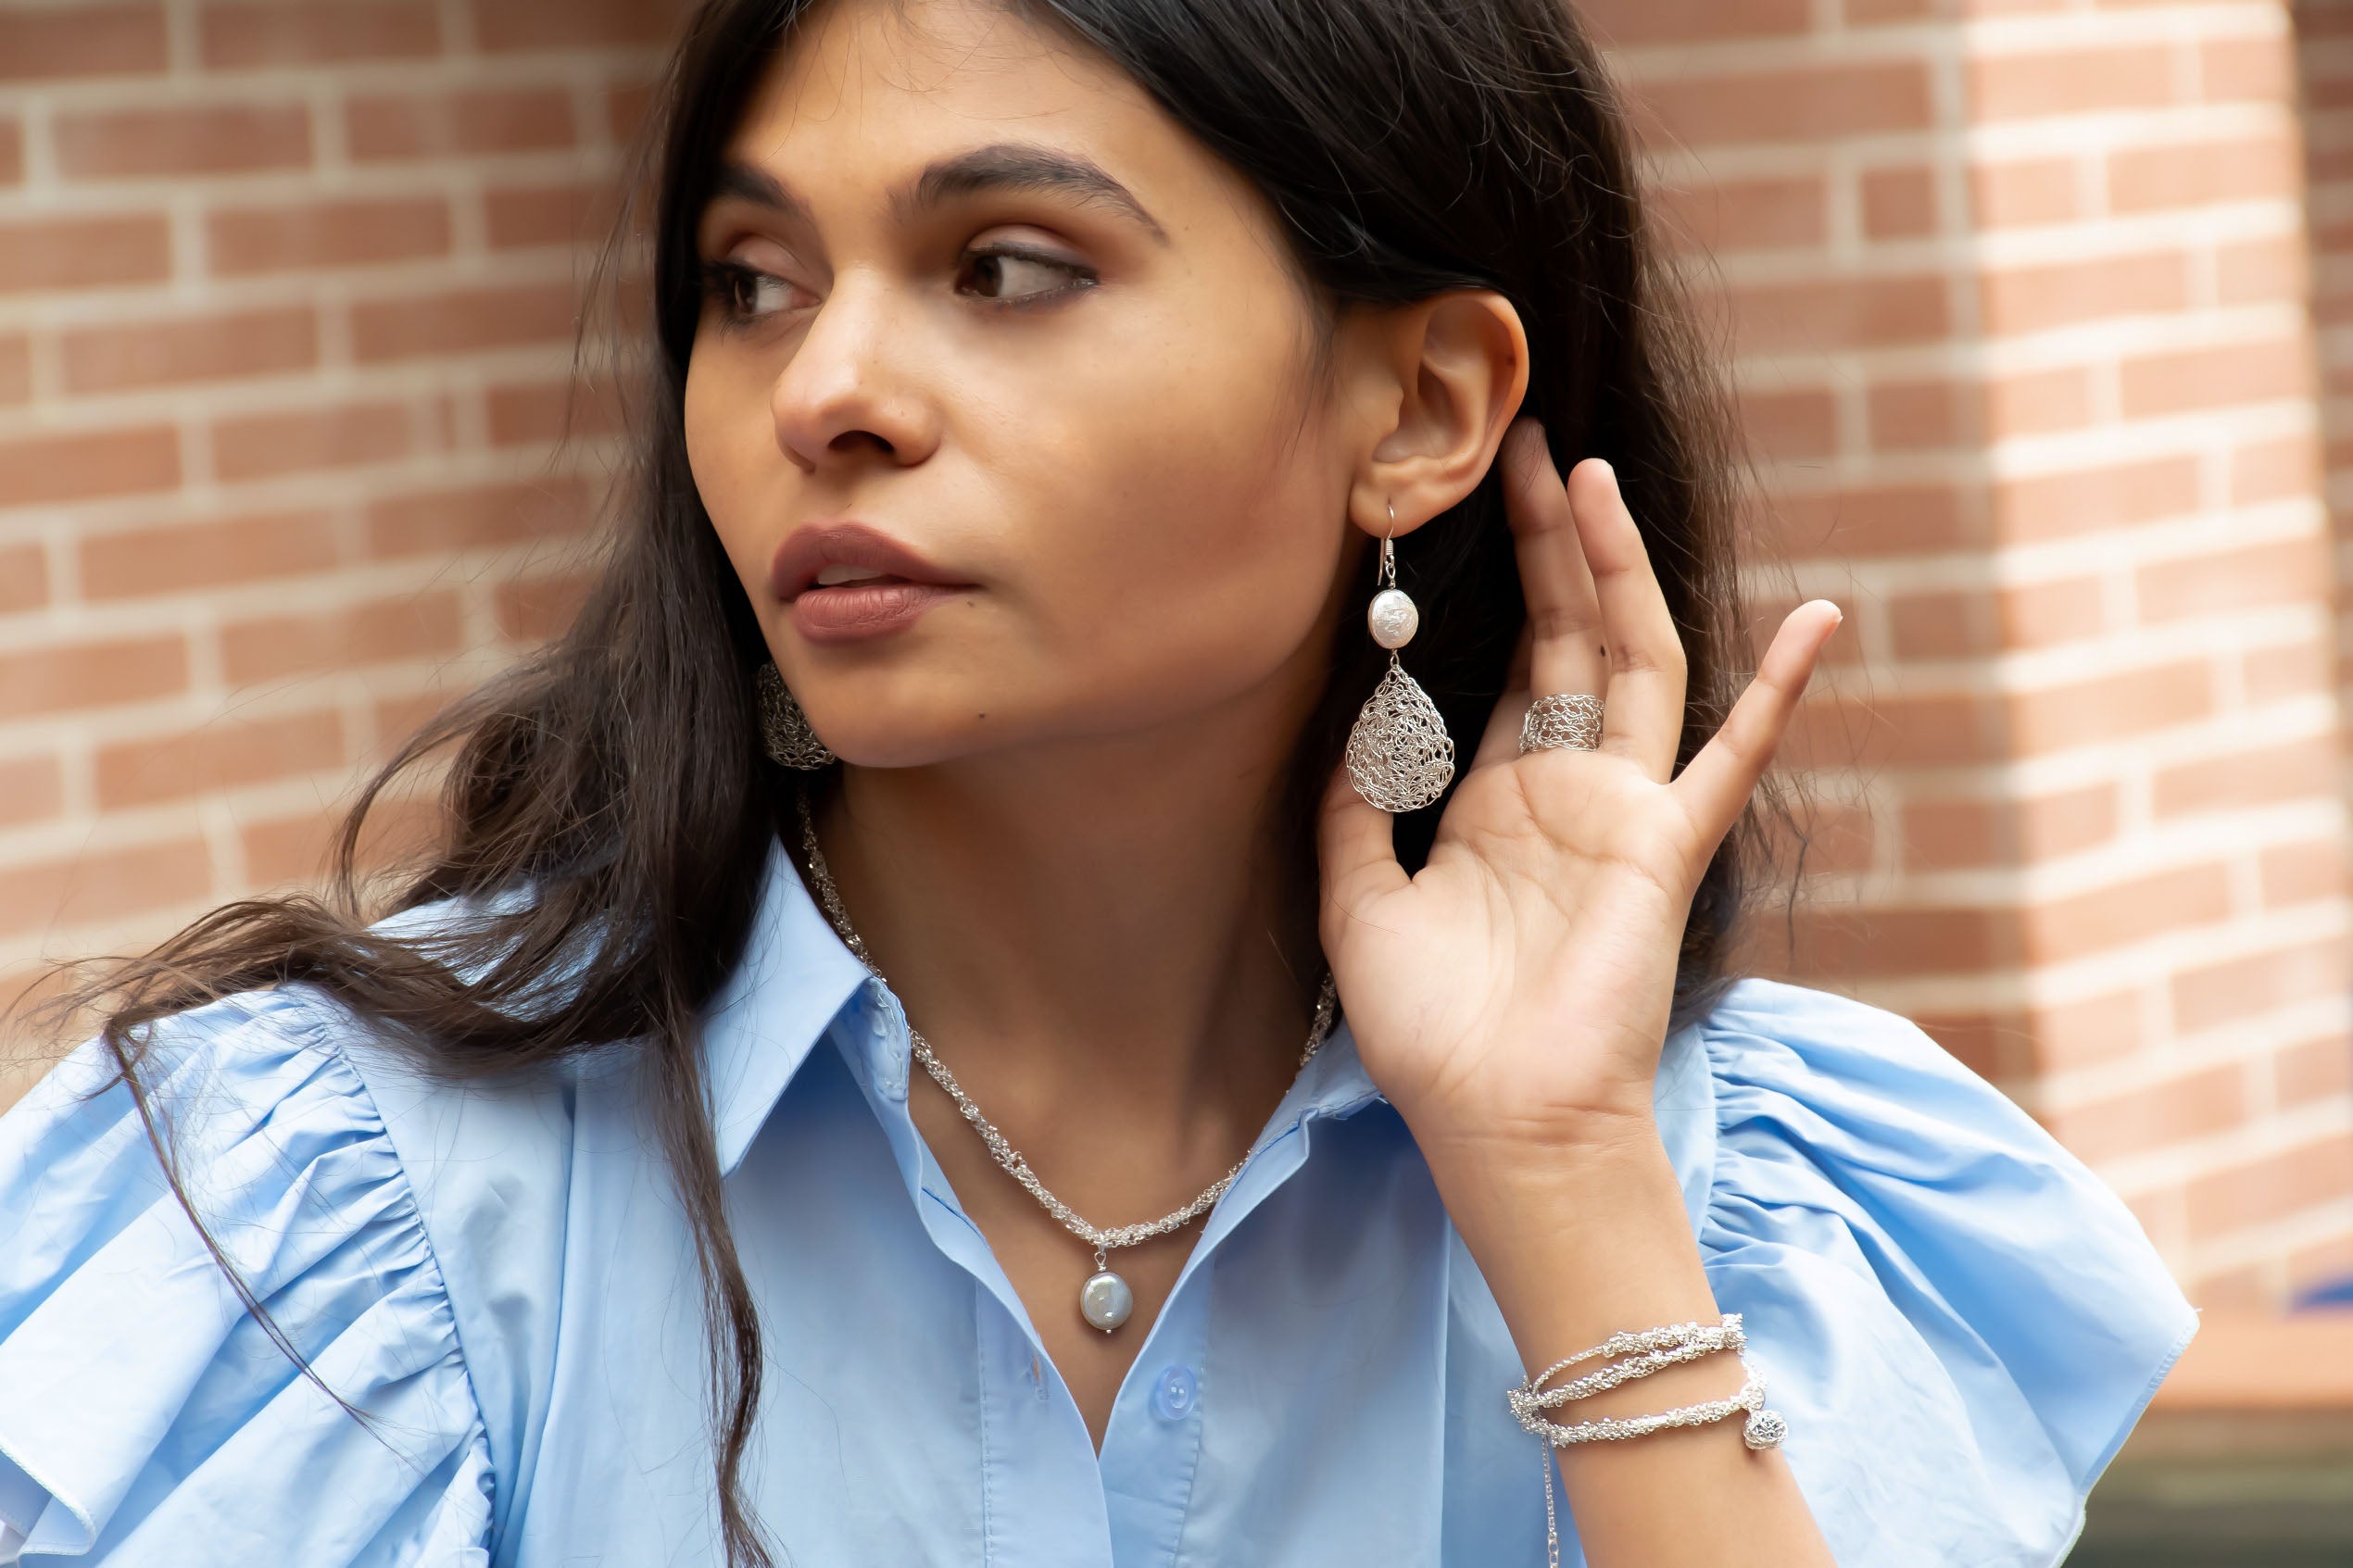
(1407, 147)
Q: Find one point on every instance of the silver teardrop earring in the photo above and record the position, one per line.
(783, 728)
(1399, 752)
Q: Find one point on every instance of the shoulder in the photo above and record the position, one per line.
(1960, 1320)
(150, 1416)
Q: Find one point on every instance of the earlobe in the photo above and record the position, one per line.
(1462, 372)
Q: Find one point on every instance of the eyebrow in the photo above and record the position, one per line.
(1002, 166)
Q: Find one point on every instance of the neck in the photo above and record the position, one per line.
(1114, 930)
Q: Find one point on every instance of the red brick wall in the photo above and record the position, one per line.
(2020, 292)
(2019, 296)
(287, 293)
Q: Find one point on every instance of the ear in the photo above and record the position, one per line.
(1442, 379)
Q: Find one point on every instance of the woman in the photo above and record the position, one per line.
(1044, 389)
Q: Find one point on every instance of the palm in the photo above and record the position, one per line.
(1527, 971)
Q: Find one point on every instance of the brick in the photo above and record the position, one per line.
(200, 139)
(2109, 708)
(1623, 22)
(1899, 203)
(11, 152)
(2247, 776)
(627, 106)
(104, 885)
(1990, 1044)
(2038, 402)
(1806, 104)
(1789, 425)
(501, 25)
(386, 631)
(1956, 835)
(2275, 470)
(1739, 215)
(242, 241)
(2293, 570)
(534, 610)
(1813, 318)
(276, 32)
(85, 465)
(223, 755)
(2066, 821)
(2173, 1111)
(2069, 82)
(2101, 919)
(444, 521)
(2299, 874)
(60, 677)
(1926, 730)
(24, 579)
(84, 39)
(2085, 1032)
(1880, 521)
(2031, 299)
(1911, 415)
(264, 445)
(519, 217)
(2247, 70)
(527, 414)
(2054, 506)
(2007, 196)
(1944, 623)
(84, 253)
(473, 121)
(2240, 988)
(174, 352)
(2271, 1187)
(2321, 1068)
(2258, 272)
(16, 368)
(2287, 669)
(2201, 173)
(2034, 615)
(296, 850)
(32, 789)
(1888, 940)
(207, 554)
(461, 322)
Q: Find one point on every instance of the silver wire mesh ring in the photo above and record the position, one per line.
(1562, 719)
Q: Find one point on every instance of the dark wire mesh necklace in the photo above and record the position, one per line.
(1105, 1300)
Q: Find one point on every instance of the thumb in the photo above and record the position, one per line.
(1354, 845)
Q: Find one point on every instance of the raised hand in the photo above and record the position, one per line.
(1519, 986)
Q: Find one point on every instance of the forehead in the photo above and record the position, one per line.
(866, 91)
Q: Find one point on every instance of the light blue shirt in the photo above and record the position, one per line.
(1959, 1322)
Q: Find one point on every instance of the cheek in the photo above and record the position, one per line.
(719, 459)
(1189, 546)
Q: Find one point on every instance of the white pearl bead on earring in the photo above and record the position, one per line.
(1392, 618)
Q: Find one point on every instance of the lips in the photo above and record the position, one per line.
(808, 552)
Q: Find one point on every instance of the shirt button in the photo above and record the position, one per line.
(1172, 1395)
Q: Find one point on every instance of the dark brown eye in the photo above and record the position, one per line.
(1005, 276)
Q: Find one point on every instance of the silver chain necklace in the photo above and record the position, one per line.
(1105, 1300)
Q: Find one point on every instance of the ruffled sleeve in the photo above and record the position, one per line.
(145, 1417)
(1960, 1321)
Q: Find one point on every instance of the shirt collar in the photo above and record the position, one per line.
(797, 975)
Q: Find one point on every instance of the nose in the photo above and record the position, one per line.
(846, 394)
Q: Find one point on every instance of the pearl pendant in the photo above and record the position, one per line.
(1105, 1300)
(1392, 618)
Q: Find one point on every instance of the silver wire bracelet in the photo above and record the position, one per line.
(1649, 1351)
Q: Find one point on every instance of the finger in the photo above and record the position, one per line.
(1642, 709)
(1499, 741)
(1554, 579)
(1354, 848)
(1715, 787)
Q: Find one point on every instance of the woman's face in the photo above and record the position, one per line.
(977, 293)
